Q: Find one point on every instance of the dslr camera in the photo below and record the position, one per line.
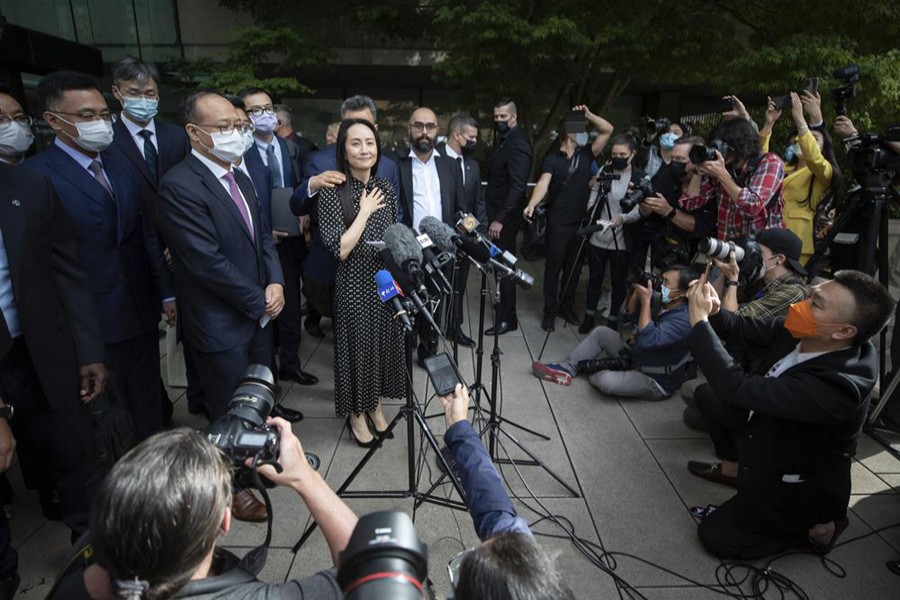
(700, 154)
(242, 433)
(656, 126)
(636, 276)
(746, 253)
(642, 190)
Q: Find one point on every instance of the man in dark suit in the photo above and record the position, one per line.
(462, 140)
(227, 272)
(117, 243)
(787, 433)
(16, 136)
(320, 172)
(507, 182)
(270, 152)
(302, 147)
(51, 353)
(430, 186)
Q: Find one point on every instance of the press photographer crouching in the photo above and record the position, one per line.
(161, 510)
(654, 366)
(787, 430)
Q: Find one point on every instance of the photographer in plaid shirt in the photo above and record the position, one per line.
(746, 183)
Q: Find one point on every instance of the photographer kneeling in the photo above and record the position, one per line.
(163, 506)
(654, 367)
(786, 432)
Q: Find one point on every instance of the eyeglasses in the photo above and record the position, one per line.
(454, 564)
(87, 116)
(257, 111)
(229, 129)
(418, 126)
(23, 120)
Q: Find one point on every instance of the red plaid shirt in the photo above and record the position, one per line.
(758, 207)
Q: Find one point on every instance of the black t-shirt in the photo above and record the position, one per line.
(568, 195)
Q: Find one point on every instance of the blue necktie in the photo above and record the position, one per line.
(277, 181)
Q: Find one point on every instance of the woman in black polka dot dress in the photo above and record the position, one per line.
(368, 343)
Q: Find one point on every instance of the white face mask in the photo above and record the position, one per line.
(93, 136)
(227, 147)
(15, 139)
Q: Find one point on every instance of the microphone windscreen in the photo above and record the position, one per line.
(475, 250)
(402, 243)
(439, 232)
(399, 275)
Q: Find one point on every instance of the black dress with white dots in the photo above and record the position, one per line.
(368, 343)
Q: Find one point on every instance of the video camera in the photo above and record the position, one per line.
(642, 190)
(384, 559)
(840, 96)
(700, 154)
(746, 253)
(871, 154)
(242, 433)
(656, 126)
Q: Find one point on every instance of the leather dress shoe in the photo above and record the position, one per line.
(246, 507)
(313, 328)
(570, 317)
(301, 377)
(288, 414)
(462, 339)
(503, 327)
(548, 323)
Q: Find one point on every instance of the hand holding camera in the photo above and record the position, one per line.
(715, 168)
(729, 269)
(295, 468)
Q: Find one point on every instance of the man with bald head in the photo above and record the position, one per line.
(430, 186)
(227, 272)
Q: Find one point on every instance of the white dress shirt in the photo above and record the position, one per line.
(426, 189)
(219, 172)
(135, 130)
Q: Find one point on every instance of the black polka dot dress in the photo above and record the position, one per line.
(368, 343)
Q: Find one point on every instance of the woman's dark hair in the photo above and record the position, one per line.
(741, 137)
(873, 304)
(158, 513)
(343, 165)
(836, 187)
(511, 566)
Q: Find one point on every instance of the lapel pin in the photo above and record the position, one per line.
(16, 202)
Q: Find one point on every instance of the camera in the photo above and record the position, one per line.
(641, 190)
(700, 154)
(622, 362)
(656, 126)
(718, 249)
(639, 277)
(870, 154)
(849, 75)
(746, 253)
(242, 433)
(383, 559)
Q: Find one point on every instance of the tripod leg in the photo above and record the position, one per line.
(440, 455)
(534, 458)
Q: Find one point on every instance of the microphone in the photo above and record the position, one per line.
(448, 240)
(469, 224)
(406, 286)
(407, 253)
(433, 263)
(600, 225)
(388, 292)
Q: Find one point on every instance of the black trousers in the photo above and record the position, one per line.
(618, 265)
(562, 251)
(723, 421)
(506, 310)
(292, 254)
(56, 440)
(219, 371)
(722, 536)
(135, 363)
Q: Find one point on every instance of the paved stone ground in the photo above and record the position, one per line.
(626, 459)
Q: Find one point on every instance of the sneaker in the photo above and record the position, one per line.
(551, 372)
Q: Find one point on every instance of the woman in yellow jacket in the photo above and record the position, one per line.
(810, 170)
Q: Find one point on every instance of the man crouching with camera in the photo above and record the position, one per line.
(654, 366)
(159, 513)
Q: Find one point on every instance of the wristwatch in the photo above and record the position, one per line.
(729, 282)
(672, 213)
(6, 412)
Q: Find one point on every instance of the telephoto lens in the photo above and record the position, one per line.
(384, 559)
(718, 249)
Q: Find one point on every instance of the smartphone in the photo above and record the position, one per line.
(726, 104)
(574, 121)
(783, 102)
(706, 272)
(443, 373)
(811, 84)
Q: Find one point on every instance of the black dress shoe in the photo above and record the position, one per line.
(570, 317)
(288, 414)
(503, 327)
(587, 324)
(199, 409)
(301, 377)
(313, 328)
(548, 323)
(462, 339)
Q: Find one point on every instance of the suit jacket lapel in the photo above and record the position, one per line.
(12, 222)
(406, 183)
(129, 149)
(218, 191)
(445, 179)
(73, 172)
(246, 186)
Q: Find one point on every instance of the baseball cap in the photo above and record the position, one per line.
(786, 242)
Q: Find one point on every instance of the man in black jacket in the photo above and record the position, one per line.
(507, 182)
(787, 432)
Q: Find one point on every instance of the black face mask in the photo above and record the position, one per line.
(469, 147)
(678, 170)
(618, 163)
(502, 127)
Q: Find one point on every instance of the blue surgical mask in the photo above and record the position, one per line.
(142, 109)
(581, 139)
(667, 140)
(793, 151)
(666, 294)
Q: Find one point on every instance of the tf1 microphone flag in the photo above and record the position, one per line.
(390, 295)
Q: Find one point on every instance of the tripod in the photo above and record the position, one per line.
(412, 413)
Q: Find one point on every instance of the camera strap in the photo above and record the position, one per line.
(254, 561)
